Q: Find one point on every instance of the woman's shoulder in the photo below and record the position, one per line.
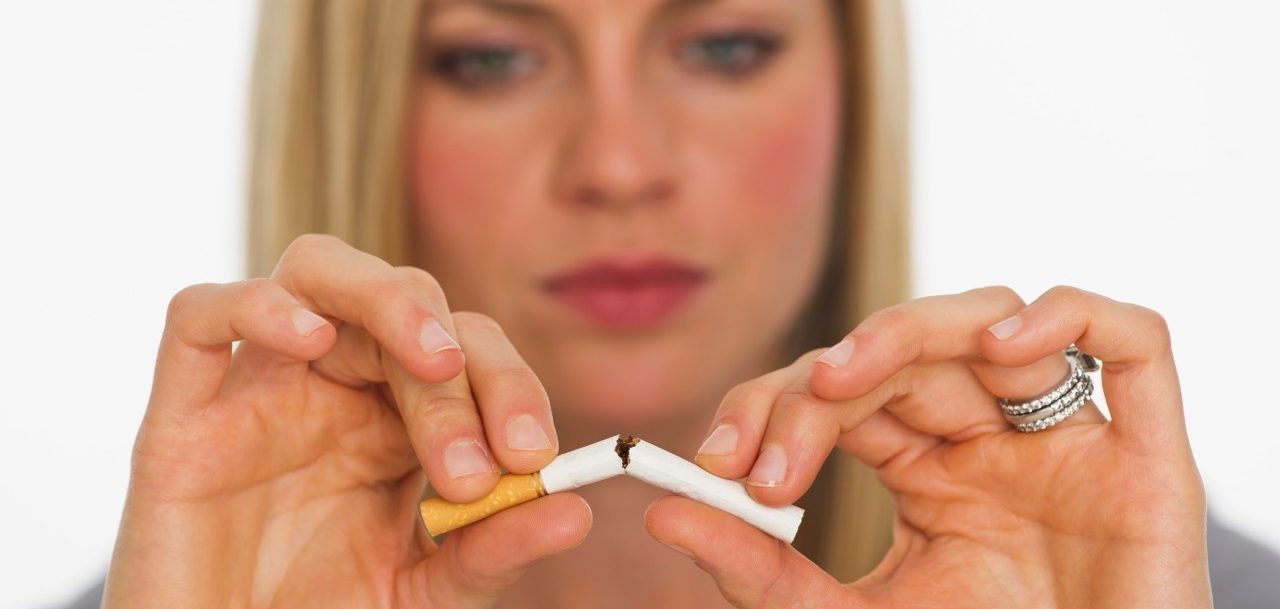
(1244, 573)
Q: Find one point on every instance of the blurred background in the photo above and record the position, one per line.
(1148, 128)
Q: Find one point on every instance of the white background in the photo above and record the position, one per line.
(1131, 147)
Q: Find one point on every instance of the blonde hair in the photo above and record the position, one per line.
(330, 88)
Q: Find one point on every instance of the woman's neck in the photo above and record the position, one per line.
(682, 435)
(620, 565)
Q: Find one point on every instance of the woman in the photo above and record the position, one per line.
(680, 219)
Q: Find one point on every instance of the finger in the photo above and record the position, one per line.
(803, 428)
(402, 307)
(882, 440)
(923, 330)
(477, 563)
(931, 330)
(355, 359)
(731, 445)
(1139, 377)
(752, 569)
(446, 432)
(202, 322)
(511, 400)
(797, 430)
(405, 311)
(944, 399)
(801, 432)
(1025, 383)
(1022, 382)
(440, 420)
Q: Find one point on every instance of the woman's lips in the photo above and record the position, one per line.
(627, 295)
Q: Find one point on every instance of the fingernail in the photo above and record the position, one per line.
(1006, 328)
(524, 433)
(466, 458)
(770, 468)
(838, 355)
(305, 322)
(435, 338)
(722, 441)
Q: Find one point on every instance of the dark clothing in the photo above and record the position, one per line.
(1244, 573)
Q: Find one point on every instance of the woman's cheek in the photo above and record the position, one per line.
(779, 181)
(443, 172)
(450, 179)
(780, 186)
(792, 159)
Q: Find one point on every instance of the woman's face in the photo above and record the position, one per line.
(637, 191)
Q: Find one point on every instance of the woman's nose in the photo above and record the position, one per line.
(617, 153)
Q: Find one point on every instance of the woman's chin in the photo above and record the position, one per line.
(644, 383)
(615, 409)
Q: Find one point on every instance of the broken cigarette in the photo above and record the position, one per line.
(608, 458)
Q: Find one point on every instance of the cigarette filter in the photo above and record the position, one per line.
(608, 458)
(574, 469)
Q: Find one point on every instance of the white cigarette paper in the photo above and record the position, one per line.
(605, 459)
(667, 471)
(582, 466)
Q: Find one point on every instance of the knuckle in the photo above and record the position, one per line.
(1153, 319)
(516, 373)
(474, 572)
(183, 300)
(413, 275)
(896, 325)
(312, 242)
(750, 392)
(1005, 295)
(387, 291)
(256, 290)
(1065, 293)
(773, 592)
(417, 282)
(798, 404)
(396, 289)
(302, 248)
(445, 410)
(888, 320)
(476, 322)
(528, 388)
(1153, 324)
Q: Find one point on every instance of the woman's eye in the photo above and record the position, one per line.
(731, 54)
(483, 66)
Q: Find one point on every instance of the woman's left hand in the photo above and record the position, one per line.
(1089, 513)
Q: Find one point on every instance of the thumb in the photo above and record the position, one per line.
(475, 564)
(752, 569)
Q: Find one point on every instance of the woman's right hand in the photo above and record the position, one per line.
(288, 472)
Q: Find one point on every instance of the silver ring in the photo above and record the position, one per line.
(1064, 400)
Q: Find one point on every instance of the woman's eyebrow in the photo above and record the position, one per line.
(675, 5)
(673, 8)
(514, 8)
(532, 9)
